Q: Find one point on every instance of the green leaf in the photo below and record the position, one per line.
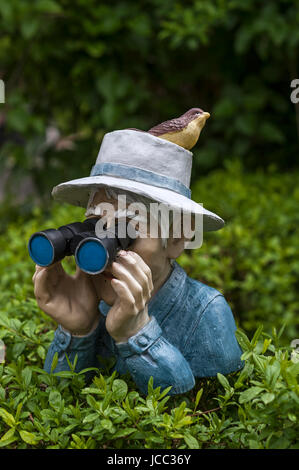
(92, 402)
(267, 397)
(8, 438)
(64, 374)
(150, 386)
(29, 329)
(246, 355)
(106, 400)
(294, 369)
(90, 418)
(256, 336)
(7, 417)
(107, 424)
(224, 382)
(26, 375)
(123, 433)
(165, 391)
(8, 435)
(281, 330)
(243, 340)
(83, 371)
(260, 362)
(191, 442)
(119, 389)
(266, 344)
(292, 417)
(29, 437)
(272, 373)
(18, 348)
(244, 374)
(18, 412)
(54, 362)
(197, 399)
(55, 399)
(41, 352)
(249, 394)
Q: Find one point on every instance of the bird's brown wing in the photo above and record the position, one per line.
(173, 125)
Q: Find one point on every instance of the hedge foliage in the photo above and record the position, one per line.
(258, 409)
(253, 261)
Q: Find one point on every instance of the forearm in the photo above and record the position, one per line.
(148, 354)
(145, 354)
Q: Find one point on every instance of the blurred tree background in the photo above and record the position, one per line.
(74, 70)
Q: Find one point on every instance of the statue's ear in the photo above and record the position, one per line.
(176, 244)
(175, 247)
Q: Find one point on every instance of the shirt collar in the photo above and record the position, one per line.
(162, 302)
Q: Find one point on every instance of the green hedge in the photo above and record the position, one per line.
(253, 261)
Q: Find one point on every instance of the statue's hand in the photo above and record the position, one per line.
(71, 301)
(133, 286)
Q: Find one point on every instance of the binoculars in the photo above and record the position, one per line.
(93, 251)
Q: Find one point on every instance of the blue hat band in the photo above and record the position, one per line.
(142, 176)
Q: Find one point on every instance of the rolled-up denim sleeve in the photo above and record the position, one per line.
(148, 354)
(85, 348)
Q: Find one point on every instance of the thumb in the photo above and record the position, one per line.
(45, 280)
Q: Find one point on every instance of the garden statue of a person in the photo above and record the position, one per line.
(143, 309)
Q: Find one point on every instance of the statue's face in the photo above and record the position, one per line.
(151, 250)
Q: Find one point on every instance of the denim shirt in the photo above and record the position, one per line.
(191, 333)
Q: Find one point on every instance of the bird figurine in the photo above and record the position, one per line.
(184, 130)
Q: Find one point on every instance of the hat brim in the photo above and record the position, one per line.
(77, 192)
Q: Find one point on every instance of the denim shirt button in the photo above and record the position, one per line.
(61, 337)
(142, 341)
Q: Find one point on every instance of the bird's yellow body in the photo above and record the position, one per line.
(188, 136)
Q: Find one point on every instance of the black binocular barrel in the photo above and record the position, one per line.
(93, 251)
(94, 254)
(52, 245)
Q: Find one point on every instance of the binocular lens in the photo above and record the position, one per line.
(41, 250)
(91, 256)
(93, 252)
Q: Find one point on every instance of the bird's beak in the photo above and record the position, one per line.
(205, 116)
(201, 120)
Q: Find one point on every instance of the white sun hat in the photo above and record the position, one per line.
(143, 164)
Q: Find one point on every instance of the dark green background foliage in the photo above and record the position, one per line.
(88, 67)
(75, 70)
